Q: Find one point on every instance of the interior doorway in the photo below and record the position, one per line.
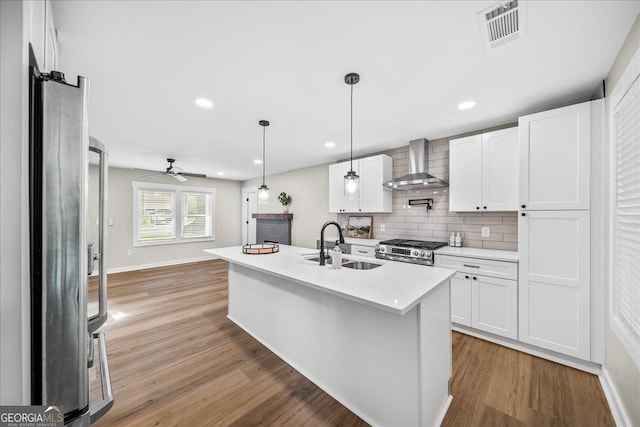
(249, 207)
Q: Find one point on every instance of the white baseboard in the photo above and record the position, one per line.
(613, 398)
(156, 264)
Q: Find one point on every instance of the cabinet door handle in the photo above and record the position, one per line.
(523, 214)
(471, 266)
(484, 207)
(466, 277)
(478, 207)
(524, 206)
(475, 278)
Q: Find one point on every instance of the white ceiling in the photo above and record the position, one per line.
(285, 61)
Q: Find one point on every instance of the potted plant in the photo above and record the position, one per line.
(285, 200)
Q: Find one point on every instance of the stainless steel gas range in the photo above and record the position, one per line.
(413, 251)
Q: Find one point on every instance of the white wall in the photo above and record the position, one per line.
(309, 189)
(15, 27)
(120, 207)
(621, 368)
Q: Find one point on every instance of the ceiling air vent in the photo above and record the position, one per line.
(502, 23)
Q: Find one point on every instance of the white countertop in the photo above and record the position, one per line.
(394, 286)
(493, 254)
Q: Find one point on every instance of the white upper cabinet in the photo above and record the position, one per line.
(374, 172)
(483, 172)
(465, 173)
(500, 170)
(554, 159)
(371, 197)
(338, 201)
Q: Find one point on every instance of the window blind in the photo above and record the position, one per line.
(156, 214)
(196, 215)
(626, 291)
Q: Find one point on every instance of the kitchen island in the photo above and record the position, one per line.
(378, 341)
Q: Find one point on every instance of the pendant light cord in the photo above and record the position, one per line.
(351, 127)
(264, 130)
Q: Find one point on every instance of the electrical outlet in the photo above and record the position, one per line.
(486, 232)
(129, 252)
(382, 228)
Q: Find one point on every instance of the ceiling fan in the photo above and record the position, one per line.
(173, 171)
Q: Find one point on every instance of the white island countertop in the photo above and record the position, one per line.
(492, 254)
(394, 286)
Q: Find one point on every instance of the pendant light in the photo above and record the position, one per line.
(351, 178)
(263, 191)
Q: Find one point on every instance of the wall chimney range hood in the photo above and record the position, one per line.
(417, 178)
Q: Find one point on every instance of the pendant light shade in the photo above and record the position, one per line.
(351, 179)
(263, 191)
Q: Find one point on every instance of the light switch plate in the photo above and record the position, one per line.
(382, 228)
(486, 232)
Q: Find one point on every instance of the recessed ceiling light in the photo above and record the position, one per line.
(220, 173)
(329, 144)
(204, 103)
(466, 105)
(257, 161)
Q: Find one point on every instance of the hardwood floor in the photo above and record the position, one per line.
(176, 360)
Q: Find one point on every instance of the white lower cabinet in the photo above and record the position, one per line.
(486, 301)
(495, 305)
(461, 299)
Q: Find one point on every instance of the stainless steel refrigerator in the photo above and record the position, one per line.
(63, 333)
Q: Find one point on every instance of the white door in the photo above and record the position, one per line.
(465, 174)
(554, 158)
(554, 281)
(249, 207)
(338, 202)
(495, 305)
(461, 299)
(500, 170)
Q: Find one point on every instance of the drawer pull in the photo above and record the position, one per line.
(471, 266)
(362, 252)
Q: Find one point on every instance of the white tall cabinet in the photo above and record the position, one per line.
(483, 172)
(554, 229)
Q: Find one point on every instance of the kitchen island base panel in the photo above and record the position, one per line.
(389, 369)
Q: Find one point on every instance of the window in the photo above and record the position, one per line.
(625, 210)
(165, 214)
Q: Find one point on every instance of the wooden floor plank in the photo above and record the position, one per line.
(176, 360)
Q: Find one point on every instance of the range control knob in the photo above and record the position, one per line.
(422, 253)
(415, 252)
(382, 249)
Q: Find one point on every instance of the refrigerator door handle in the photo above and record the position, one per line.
(91, 353)
(97, 410)
(98, 320)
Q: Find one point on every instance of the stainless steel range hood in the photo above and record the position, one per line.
(417, 178)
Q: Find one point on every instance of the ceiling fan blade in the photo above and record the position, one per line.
(194, 175)
(179, 177)
(153, 174)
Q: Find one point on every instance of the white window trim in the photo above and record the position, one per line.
(178, 189)
(620, 329)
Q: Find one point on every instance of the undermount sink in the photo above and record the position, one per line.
(360, 265)
(327, 259)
